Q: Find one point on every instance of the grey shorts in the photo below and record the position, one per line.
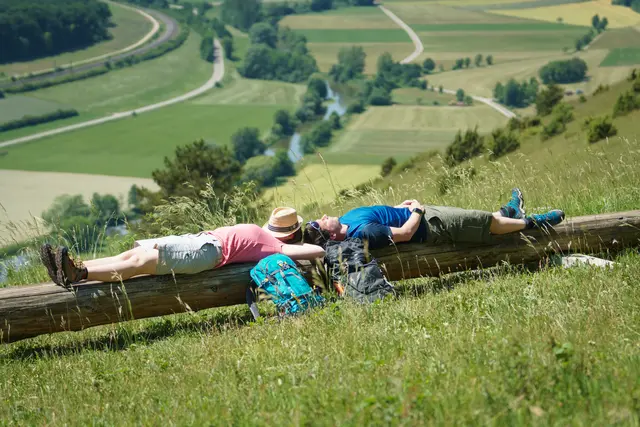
(184, 254)
(455, 225)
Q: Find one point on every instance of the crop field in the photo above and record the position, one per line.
(415, 96)
(319, 183)
(370, 28)
(130, 27)
(16, 106)
(401, 131)
(172, 74)
(136, 146)
(622, 56)
(616, 38)
(578, 13)
(254, 92)
(431, 13)
(24, 196)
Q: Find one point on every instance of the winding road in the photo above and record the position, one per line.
(171, 30)
(216, 76)
(419, 49)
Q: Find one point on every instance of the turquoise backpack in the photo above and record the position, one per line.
(279, 277)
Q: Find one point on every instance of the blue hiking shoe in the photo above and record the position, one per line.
(549, 219)
(515, 207)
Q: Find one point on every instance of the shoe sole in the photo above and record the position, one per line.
(49, 261)
(60, 254)
(521, 202)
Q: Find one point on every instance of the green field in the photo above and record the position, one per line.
(253, 92)
(415, 96)
(136, 146)
(326, 54)
(16, 106)
(492, 41)
(552, 346)
(151, 81)
(130, 27)
(355, 36)
(622, 56)
(616, 38)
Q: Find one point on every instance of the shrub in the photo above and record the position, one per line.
(601, 89)
(334, 119)
(380, 96)
(464, 147)
(625, 103)
(319, 136)
(555, 127)
(355, 107)
(454, 177)
(563, 112)
(387, 166)
(599, 128)
(636, 86)
(548, 98)
(502, 142)
(36, 120)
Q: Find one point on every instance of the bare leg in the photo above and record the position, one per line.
(109, 260)
(504, 225)
(138, 261)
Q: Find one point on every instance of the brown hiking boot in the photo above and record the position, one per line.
(48, 259)
(68, 272)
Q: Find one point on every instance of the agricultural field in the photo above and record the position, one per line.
(578, 13)
(14, 107)
(319, 183)
(136, 146)
(175, 73)
(130, 26)
(253, 92)
(415, 96)
(622, 56)
(328, 32)
(401, 131)
(24, 197)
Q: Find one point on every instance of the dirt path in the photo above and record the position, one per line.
(217, 75)
(419, 49)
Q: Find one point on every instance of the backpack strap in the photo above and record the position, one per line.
(250, 296)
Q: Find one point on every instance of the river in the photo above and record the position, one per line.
(295, 152)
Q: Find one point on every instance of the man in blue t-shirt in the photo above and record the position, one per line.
(412, 222)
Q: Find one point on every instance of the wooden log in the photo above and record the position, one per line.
(28, 311)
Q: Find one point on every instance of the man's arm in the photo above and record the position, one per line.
(409, 228)
(406, 204)
(303, 251)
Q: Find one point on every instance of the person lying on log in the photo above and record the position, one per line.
(188, 253)
(413, 222)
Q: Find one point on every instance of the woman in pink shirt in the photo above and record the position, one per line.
(188, 253)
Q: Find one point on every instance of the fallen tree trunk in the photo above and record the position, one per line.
(28, 311)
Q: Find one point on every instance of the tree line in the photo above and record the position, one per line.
(33, 28)
(633, 4)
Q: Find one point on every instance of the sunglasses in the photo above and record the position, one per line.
(316, 226)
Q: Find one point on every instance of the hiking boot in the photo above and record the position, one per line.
(48, 259)
(549, 219)
(68, 271)
(515, 207)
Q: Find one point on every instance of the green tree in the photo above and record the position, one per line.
(246, 143)
(263, 33)
(334, 119)
(241, 14)
(599, 128)
(458, 64)
(478, 59)
(562, 112)
(387, 166)
(460, 95)
(105, 209)
(502, 142)
(464, 147)
(195, 165)
(573, 70)
(489, 59)
(595, 22)
(428, 65)
(286, 122)
(467, 62)
(319, 86)
(604, 22)
(548, 98)
(468, 100)
(227, 46)
(350, 66)
(440, 89)
(66, 206)
(626, 102)
(380, 96)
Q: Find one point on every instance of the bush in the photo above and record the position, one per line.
(1, 94)
(227, 46)
(563, 113)
(599, 128)
(246, 143)
(319, 136)
(387, 166)
(502, 142)
(454, 177)
(601, 89)
(380, 96)
(206, 49)
(355, 107)
(334, 119)
(626, 103)
(464, 147)
(36, 120)
(555, 127)
(548, 98)
(570, 71)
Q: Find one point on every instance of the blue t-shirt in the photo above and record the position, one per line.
(373, 223)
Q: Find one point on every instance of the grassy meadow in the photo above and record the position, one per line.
(14, 107)
(130, 26)
(329, 31)
(549, 347)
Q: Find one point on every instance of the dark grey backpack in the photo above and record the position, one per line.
(354, 272)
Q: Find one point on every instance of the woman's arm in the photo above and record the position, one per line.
(303, 251)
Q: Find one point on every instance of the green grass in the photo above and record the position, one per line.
(150, 81)
(16, 106)
(254, 92)
(130, 27)
(622, 56)
(550, 347)
(616, 38)
(136, 146)
(355, 36)
(415, 96)
(527, 26)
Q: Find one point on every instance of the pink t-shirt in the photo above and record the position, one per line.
(245, 243)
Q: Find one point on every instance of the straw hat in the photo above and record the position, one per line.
(283, 222)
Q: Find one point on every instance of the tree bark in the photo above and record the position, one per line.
(28, 311)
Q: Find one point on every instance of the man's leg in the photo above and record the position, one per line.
(503, 225)
(134, 262)
(109, 260)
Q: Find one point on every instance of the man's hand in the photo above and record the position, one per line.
(415, 204)
(407, 204)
